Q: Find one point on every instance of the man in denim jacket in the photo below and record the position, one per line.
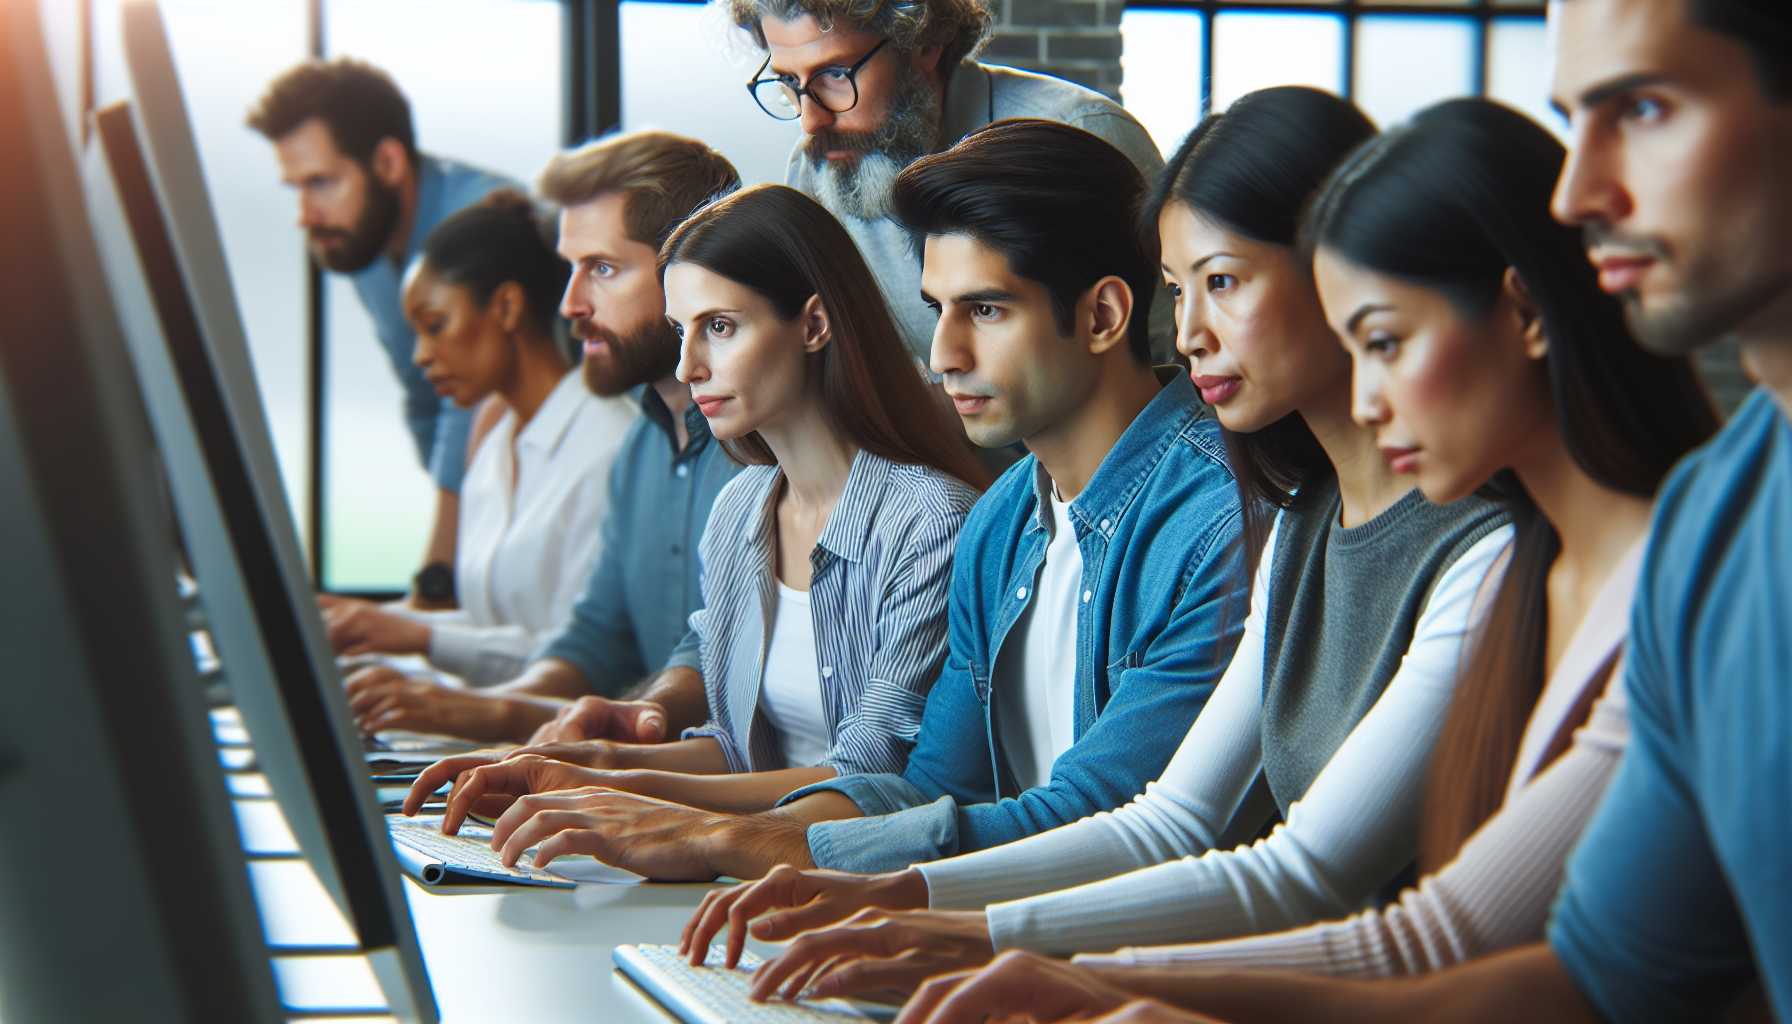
(1031, 258)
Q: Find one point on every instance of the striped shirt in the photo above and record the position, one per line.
(880, 577)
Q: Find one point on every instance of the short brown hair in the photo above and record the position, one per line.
(359, 103)
(957, 27)
(664, 176)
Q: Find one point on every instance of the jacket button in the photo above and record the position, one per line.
(1021, 594)
(1087, 594)
(827, 671)
(1105, 524)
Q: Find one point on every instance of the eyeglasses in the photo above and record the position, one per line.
(833, 89)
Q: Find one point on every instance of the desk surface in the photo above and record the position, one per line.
(544, 954)
(493, 954)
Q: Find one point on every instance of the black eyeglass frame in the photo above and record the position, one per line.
(797, 92)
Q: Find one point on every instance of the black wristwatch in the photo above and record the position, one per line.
(435, 582)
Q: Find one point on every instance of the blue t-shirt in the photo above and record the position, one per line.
(438, 426)
(1686, 865)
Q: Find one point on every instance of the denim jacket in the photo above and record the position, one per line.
(1164, 600)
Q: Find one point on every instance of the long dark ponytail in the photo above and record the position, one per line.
(1451, 201)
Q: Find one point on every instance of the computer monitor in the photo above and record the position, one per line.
(146, 188)
(127, 895)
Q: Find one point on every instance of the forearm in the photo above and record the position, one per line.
(547, 677)
(748, 846)
(659, 763)
(514, 718)
(745, 793)
(1525, 984)
(444, 530)
(679, 691)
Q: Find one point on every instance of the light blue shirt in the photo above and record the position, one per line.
(438, 426)
(1687, 866)
(632, 618)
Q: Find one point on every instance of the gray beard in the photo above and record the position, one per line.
(861, 187)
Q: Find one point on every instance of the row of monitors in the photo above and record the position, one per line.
(125, 381)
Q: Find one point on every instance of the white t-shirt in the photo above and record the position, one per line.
(791, 692)
(1035, 674)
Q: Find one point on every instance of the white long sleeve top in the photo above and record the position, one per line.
(1159, 870)
(1497, 892)
(531, 515)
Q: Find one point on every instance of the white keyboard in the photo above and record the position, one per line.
(466, 857)
(712, 994)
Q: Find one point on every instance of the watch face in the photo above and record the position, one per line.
(435, 582)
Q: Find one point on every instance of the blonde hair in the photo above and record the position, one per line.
(958, 27)
(664, 177)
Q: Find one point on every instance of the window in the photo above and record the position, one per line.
(484, 81)
(704, 98)
(1184, 57)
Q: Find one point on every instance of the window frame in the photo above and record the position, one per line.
(1482, 15)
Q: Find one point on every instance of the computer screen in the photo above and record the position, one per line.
(145, 184)
(127, 895)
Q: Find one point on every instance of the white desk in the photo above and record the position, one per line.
(493, 954)
(544, 955)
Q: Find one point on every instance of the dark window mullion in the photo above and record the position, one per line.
(1207, 30)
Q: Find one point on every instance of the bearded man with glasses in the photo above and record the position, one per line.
(877, 84)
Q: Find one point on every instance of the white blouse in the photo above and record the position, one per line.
(1162, 868)
(531, 515)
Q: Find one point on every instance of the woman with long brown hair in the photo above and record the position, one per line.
(827, 560)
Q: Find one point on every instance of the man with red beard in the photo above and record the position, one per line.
(619, 197)
(878, 84)
(343, 136)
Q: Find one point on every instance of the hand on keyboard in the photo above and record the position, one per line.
(712, 993)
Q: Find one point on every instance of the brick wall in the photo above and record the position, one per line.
(1074, 39)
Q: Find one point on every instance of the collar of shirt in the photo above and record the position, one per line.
(849, 526)
(547, 428)
(968, 103)
(1128, 464)
(696, 425)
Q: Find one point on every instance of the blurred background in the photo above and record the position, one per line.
(504, 83)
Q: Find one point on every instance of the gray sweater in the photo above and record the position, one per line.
(1341, 617)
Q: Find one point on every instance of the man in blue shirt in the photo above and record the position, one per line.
(1098, 588)
(1680, 893)
(368, 197)
(620, 198)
